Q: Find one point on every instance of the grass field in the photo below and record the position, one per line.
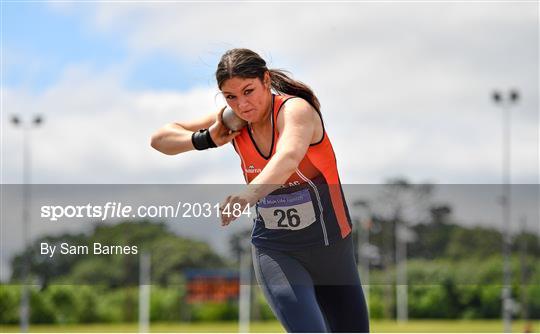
(379, 326)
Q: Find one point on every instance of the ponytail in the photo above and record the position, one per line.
(282, 83)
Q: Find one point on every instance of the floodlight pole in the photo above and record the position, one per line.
(402, 309)
(506, 104)
(244, 306)
(24, 311)
(144, 292)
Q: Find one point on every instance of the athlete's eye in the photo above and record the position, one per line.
(230, 97)
(248, 91)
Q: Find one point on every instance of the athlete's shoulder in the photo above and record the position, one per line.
(295, 104)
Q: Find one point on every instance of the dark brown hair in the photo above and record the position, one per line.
(244, 63)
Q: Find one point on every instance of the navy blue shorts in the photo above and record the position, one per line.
(316, 289)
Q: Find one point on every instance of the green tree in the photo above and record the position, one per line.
(476, 241)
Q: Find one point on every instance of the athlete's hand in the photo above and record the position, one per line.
(220, 134)
(234, 206)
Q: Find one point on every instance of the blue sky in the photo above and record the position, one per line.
(39, 42)
(36, 34)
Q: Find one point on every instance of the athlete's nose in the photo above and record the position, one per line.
(243, 104)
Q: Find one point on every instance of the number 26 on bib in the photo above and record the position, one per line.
(292, 211)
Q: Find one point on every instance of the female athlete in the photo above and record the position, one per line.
(302, 245)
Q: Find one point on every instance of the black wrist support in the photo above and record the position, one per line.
(202, 140)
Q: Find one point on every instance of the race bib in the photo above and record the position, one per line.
(292, 211)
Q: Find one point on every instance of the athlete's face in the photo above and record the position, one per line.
(249, 98)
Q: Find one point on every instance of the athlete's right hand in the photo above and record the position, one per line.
(220, 134)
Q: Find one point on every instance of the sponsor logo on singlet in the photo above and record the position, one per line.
(252, 170)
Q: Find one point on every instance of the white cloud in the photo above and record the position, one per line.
(97, 132)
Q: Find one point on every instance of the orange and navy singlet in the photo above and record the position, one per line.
(310, 208)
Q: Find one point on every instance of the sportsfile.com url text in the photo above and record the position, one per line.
(116, 210)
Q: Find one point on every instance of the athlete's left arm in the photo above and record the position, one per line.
(295, 124)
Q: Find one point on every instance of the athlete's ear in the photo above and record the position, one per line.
(267, 79)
